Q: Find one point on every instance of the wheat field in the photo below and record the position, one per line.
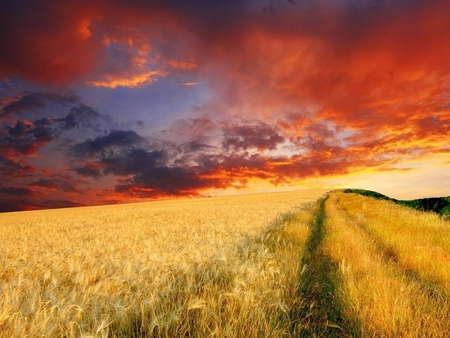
(212, 267)
(393, 266)
(287, 264)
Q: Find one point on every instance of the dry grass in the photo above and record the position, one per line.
(385, 297)
(219, 267)
(419, 241)
(269, 265)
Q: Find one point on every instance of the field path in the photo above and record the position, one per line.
(321, 312)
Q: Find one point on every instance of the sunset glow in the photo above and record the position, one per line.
(124, 101)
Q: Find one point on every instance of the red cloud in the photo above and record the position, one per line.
(61, 43)
(334, 87)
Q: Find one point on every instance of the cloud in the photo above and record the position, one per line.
(188, 84)
(22, 140)
(147, 169)
(147, 173)
(58, 182)
(25, 138)
(32, 101)
(182, 65)
(260, 136)
(150, 171)
(93, 170)
(11, 169)
(330, 88)
(79, 117)
(194, 131)
(22, 192)
(104, 145)
(196, 146)
(13, 204)
(135, 80)
(48, 33)
(119, 43)
(302, 50)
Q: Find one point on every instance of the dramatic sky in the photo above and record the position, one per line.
(110, 101)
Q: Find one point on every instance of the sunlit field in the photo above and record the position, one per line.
(290, 264)
(212, 267)
(393, 266)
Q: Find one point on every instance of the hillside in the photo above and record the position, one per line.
(439, 205)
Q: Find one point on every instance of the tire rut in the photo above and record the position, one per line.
(322, 311)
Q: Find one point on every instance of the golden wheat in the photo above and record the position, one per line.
(420, 241)
(386, 298)
(217, 267)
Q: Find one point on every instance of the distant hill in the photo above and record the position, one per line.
(439, 205)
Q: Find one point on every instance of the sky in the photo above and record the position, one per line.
(120, 101)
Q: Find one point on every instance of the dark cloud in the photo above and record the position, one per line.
(13, 204)
(19, 129)
(58, 182)
(32, 101)
(146, 173)
(155, 173)
(196, 146)
(60, 203)
(260, 136)
(89, 170)
(5, 162)
(39, 132)
(11, 169)
(26, 138)
(21, 141)
(43, 133)
(13, 191)
(169, 181)
(134, 162)
(79, 117)
(105, 145)
(162, 169)
(149, 170)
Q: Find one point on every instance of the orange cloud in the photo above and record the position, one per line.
(310, 91)
(83, 29)
(182, 65)
(189, 84)
(137, 80)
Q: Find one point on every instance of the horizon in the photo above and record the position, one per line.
(190, 198)
(127, 101)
